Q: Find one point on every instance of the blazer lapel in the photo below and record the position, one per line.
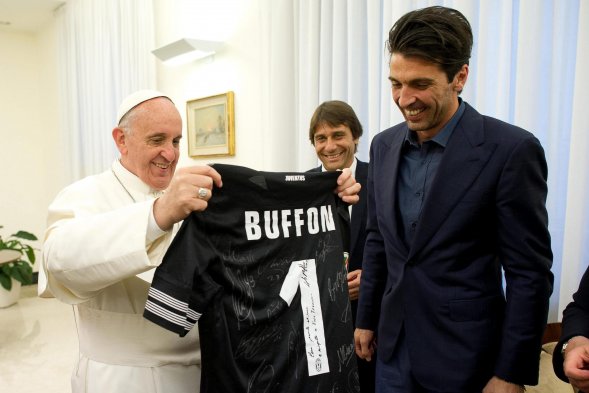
(465, 156)
(386, 194)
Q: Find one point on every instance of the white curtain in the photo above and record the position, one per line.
(528, 68)
(104, 54)
(575, 159)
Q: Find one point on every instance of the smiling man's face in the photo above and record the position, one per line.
(423, 94)
(150, 149)
(335, 146)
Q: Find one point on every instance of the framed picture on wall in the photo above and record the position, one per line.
(211, 126)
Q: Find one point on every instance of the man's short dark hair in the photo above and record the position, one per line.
(335, 113)
(437, 34)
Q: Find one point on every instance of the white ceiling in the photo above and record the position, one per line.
(26, 16)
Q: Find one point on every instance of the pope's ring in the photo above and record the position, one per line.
(202, 193)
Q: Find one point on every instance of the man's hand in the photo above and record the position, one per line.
(576, 362)
(354, 284)
(182, 195)
(497, 385)
(364, 343)
(347, 187)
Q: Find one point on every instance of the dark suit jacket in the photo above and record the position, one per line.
(357, 225)
(486, 210)
(575, 322)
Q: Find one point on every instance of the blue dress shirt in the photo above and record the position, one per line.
(417, 171)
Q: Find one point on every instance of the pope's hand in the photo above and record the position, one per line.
(189, 191)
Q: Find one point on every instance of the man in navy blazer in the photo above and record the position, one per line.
(454, 199)
(335, 131)
(571, 355)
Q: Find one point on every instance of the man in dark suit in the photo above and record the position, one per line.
(571, 355)
(335, 131)
(454, 198)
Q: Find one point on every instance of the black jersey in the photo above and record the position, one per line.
(262, 272)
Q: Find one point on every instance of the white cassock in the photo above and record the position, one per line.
(96, 256)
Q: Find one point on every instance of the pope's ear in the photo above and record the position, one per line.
(118, 135)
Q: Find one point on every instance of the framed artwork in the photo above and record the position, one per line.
(211, 126)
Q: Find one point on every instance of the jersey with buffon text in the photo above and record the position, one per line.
(262, 272)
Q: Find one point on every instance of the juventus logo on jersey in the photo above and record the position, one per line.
(294, 178)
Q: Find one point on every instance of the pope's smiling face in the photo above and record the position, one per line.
(335, 146)
(149, 145)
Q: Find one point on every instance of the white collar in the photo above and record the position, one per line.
(136, 187)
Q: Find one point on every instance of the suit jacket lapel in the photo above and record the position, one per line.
(465, 156)
(359, 209)
(389, 169)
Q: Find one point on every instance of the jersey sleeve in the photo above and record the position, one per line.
(182, 288)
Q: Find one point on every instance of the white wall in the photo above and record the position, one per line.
(31, 153)
(264, 137)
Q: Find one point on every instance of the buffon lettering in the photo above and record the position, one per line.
(288, 222)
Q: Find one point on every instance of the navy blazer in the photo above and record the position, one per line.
(485, 211)
(575, 322)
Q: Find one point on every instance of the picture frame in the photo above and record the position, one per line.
(210, 123)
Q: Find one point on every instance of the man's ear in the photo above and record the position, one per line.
(120, 138)
(460, 78)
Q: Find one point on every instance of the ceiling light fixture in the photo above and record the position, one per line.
(186, 50)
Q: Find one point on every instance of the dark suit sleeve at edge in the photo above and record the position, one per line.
(526, 257)
(575, 322)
